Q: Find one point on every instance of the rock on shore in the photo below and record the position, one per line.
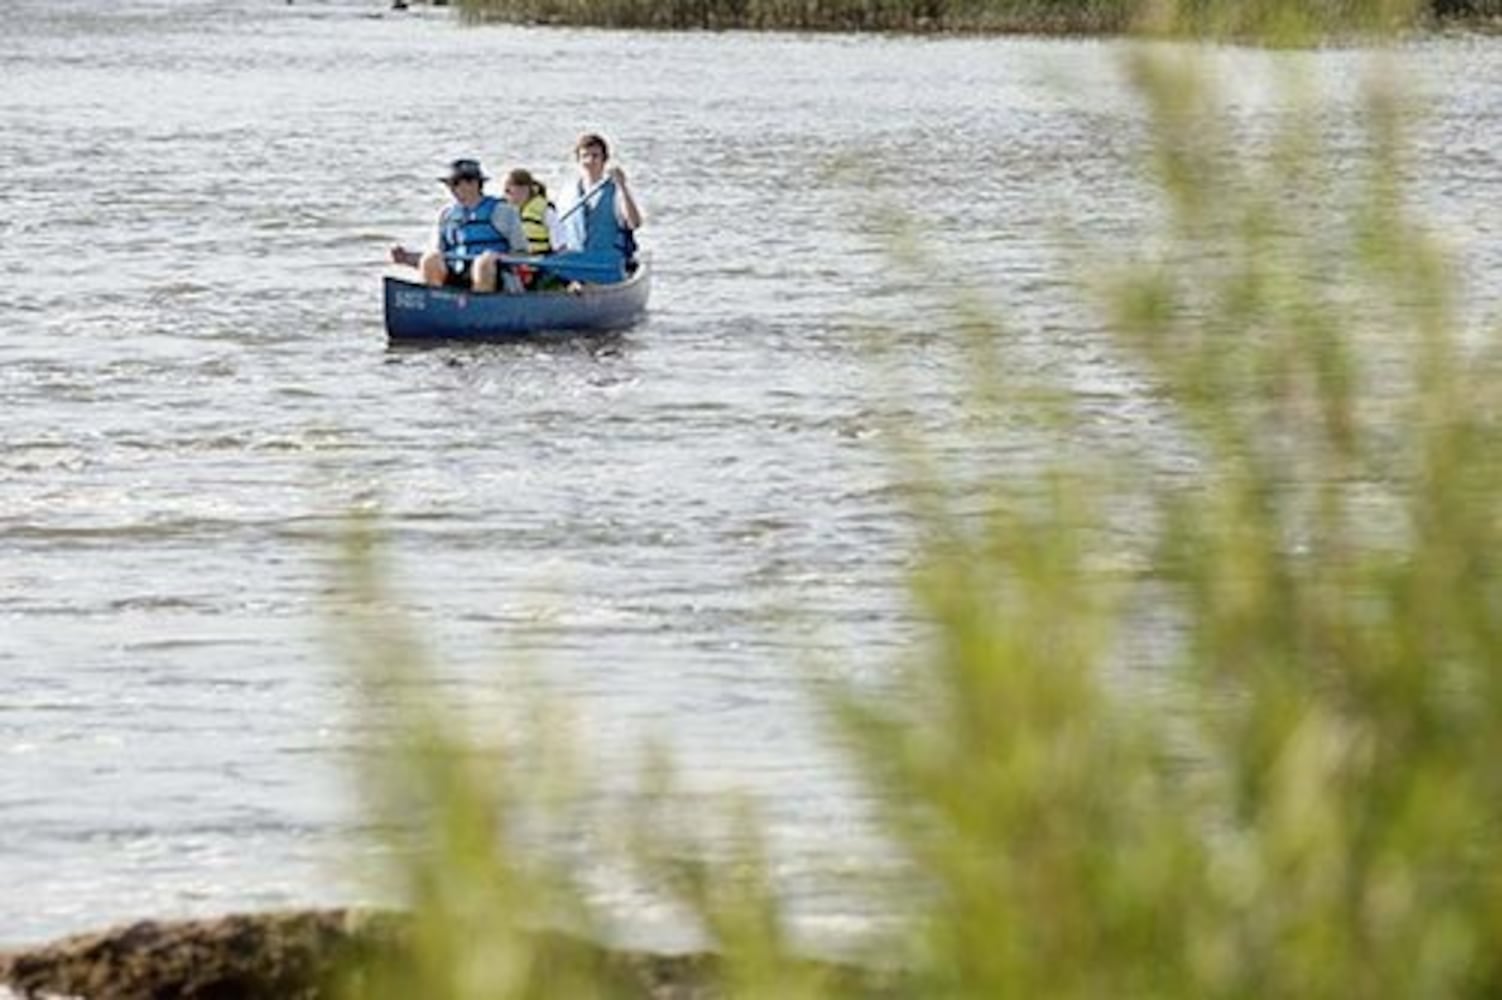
(287, 956)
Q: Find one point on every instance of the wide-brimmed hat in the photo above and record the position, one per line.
(464, 170)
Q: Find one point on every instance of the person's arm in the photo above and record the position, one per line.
(441, 244)
(508, 222)
(571, 221)
(557, 232)
(412, 258)
(626, 212)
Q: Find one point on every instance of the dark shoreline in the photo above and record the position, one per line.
(919, 18)
(300, 954)
(290, 955)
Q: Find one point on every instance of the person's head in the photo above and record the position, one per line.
(522, 187)
(466, 180)
(591, 152)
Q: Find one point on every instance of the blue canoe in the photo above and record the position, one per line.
(416, 312)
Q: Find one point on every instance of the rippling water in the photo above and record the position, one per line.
(196, 389)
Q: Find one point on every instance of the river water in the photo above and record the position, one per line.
(666, 526)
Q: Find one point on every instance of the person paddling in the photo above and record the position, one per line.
(604, 215)
(472, 233)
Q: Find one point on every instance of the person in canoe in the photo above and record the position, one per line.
(603, 218)
(529, 197)
(472, 234)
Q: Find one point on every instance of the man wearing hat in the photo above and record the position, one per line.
(472, 232)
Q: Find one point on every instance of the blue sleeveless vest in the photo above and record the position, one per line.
(602, 231)
(469, 232)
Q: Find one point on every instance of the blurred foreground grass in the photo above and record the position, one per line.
(1315, 810)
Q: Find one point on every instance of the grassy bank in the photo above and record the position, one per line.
(955, 16)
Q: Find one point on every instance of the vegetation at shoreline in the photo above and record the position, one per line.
(1001, 16)
(972, 16)
(1295, 795)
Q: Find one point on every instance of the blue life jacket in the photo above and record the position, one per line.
(465, 233)
(602, 230)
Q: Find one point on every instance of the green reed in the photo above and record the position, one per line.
(1294, 794)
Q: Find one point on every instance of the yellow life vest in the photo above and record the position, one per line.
(534, 222)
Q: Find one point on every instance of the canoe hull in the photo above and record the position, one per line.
(415, 312)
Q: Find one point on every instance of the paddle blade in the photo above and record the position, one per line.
(593, 267)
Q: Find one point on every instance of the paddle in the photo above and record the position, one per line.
(573, 265)
(576, 265)
(584, 199)
(602, 271)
